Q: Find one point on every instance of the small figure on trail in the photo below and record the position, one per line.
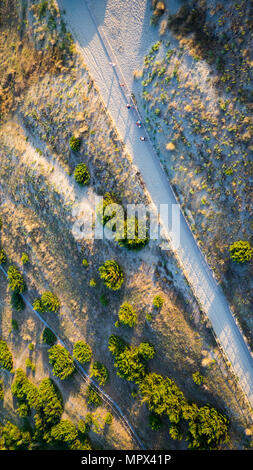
(128, 106)
(112, 64)
(138, 123)
(122, 84)
(142, 138)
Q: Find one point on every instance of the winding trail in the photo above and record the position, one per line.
(99, 57)
(83, 374)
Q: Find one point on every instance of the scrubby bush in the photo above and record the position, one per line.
(63, 363)
(49, 406)
(6, 361)
(162, 396)
(130, 360)
(75, 143)
(24, 390)
(17, 302)
(29, 364)
(24, 258)
(158, 301)
(12, 438)
(154, 421)
(82, 352)
(127, 314)
(116, 345)
(37, 305)
(241, 251)
(81, 174)
(100, 372)
(93, 398)
(1, 222)
(207, 429)
(48, 337)
(131, 239)
(50, 302)
(3, 257)
(198, 379)
(146, 351)
(108, 418)
(108, 199)
(112, 274)
(64, 432)
(16, 280)
(175, 432)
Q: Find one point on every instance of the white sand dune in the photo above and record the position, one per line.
(97, 25)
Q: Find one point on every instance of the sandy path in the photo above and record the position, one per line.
(95, 46)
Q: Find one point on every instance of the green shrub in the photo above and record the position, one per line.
(100, 372)
(49, 407)
(48, 337)
(175, 432)
(162, 396)
(64, 432)
(116, 345)
(93, 282)
(17, 302)
(81, 174)
(6, 361)
(108, 199)
(207, 429)
(85, 263)
(63, 363)
(3, 257)
(12, 438)
(131, 240)
(50, 302)
(31, 347)
(16, 281)
(25, 258)
(29, 364)
(158, 301)
(154, 421)
(93, 398)
(146, 351)
(108, 418)
(1, 222)
(82, 352)
(112, 274)
(24, 390)
(75, 143)
(241, 251)
(198, 379)
(37, 305)
(127, 314)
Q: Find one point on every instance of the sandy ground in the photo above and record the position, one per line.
(98, 55)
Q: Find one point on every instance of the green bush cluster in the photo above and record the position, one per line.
(48, 337)
(241, 251)
(12, 438)
(131, 239)
(100, 372)
(47, 302)
(63, 363)
(75, 143)
(6, 361)
(25, 392)
(3, 257)
(93, 398)
(158, 301)
(127, 314)
(81, 174)
(16, 280)
(112, 274)
(82, 352)
(130, 360)
(1, 390)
